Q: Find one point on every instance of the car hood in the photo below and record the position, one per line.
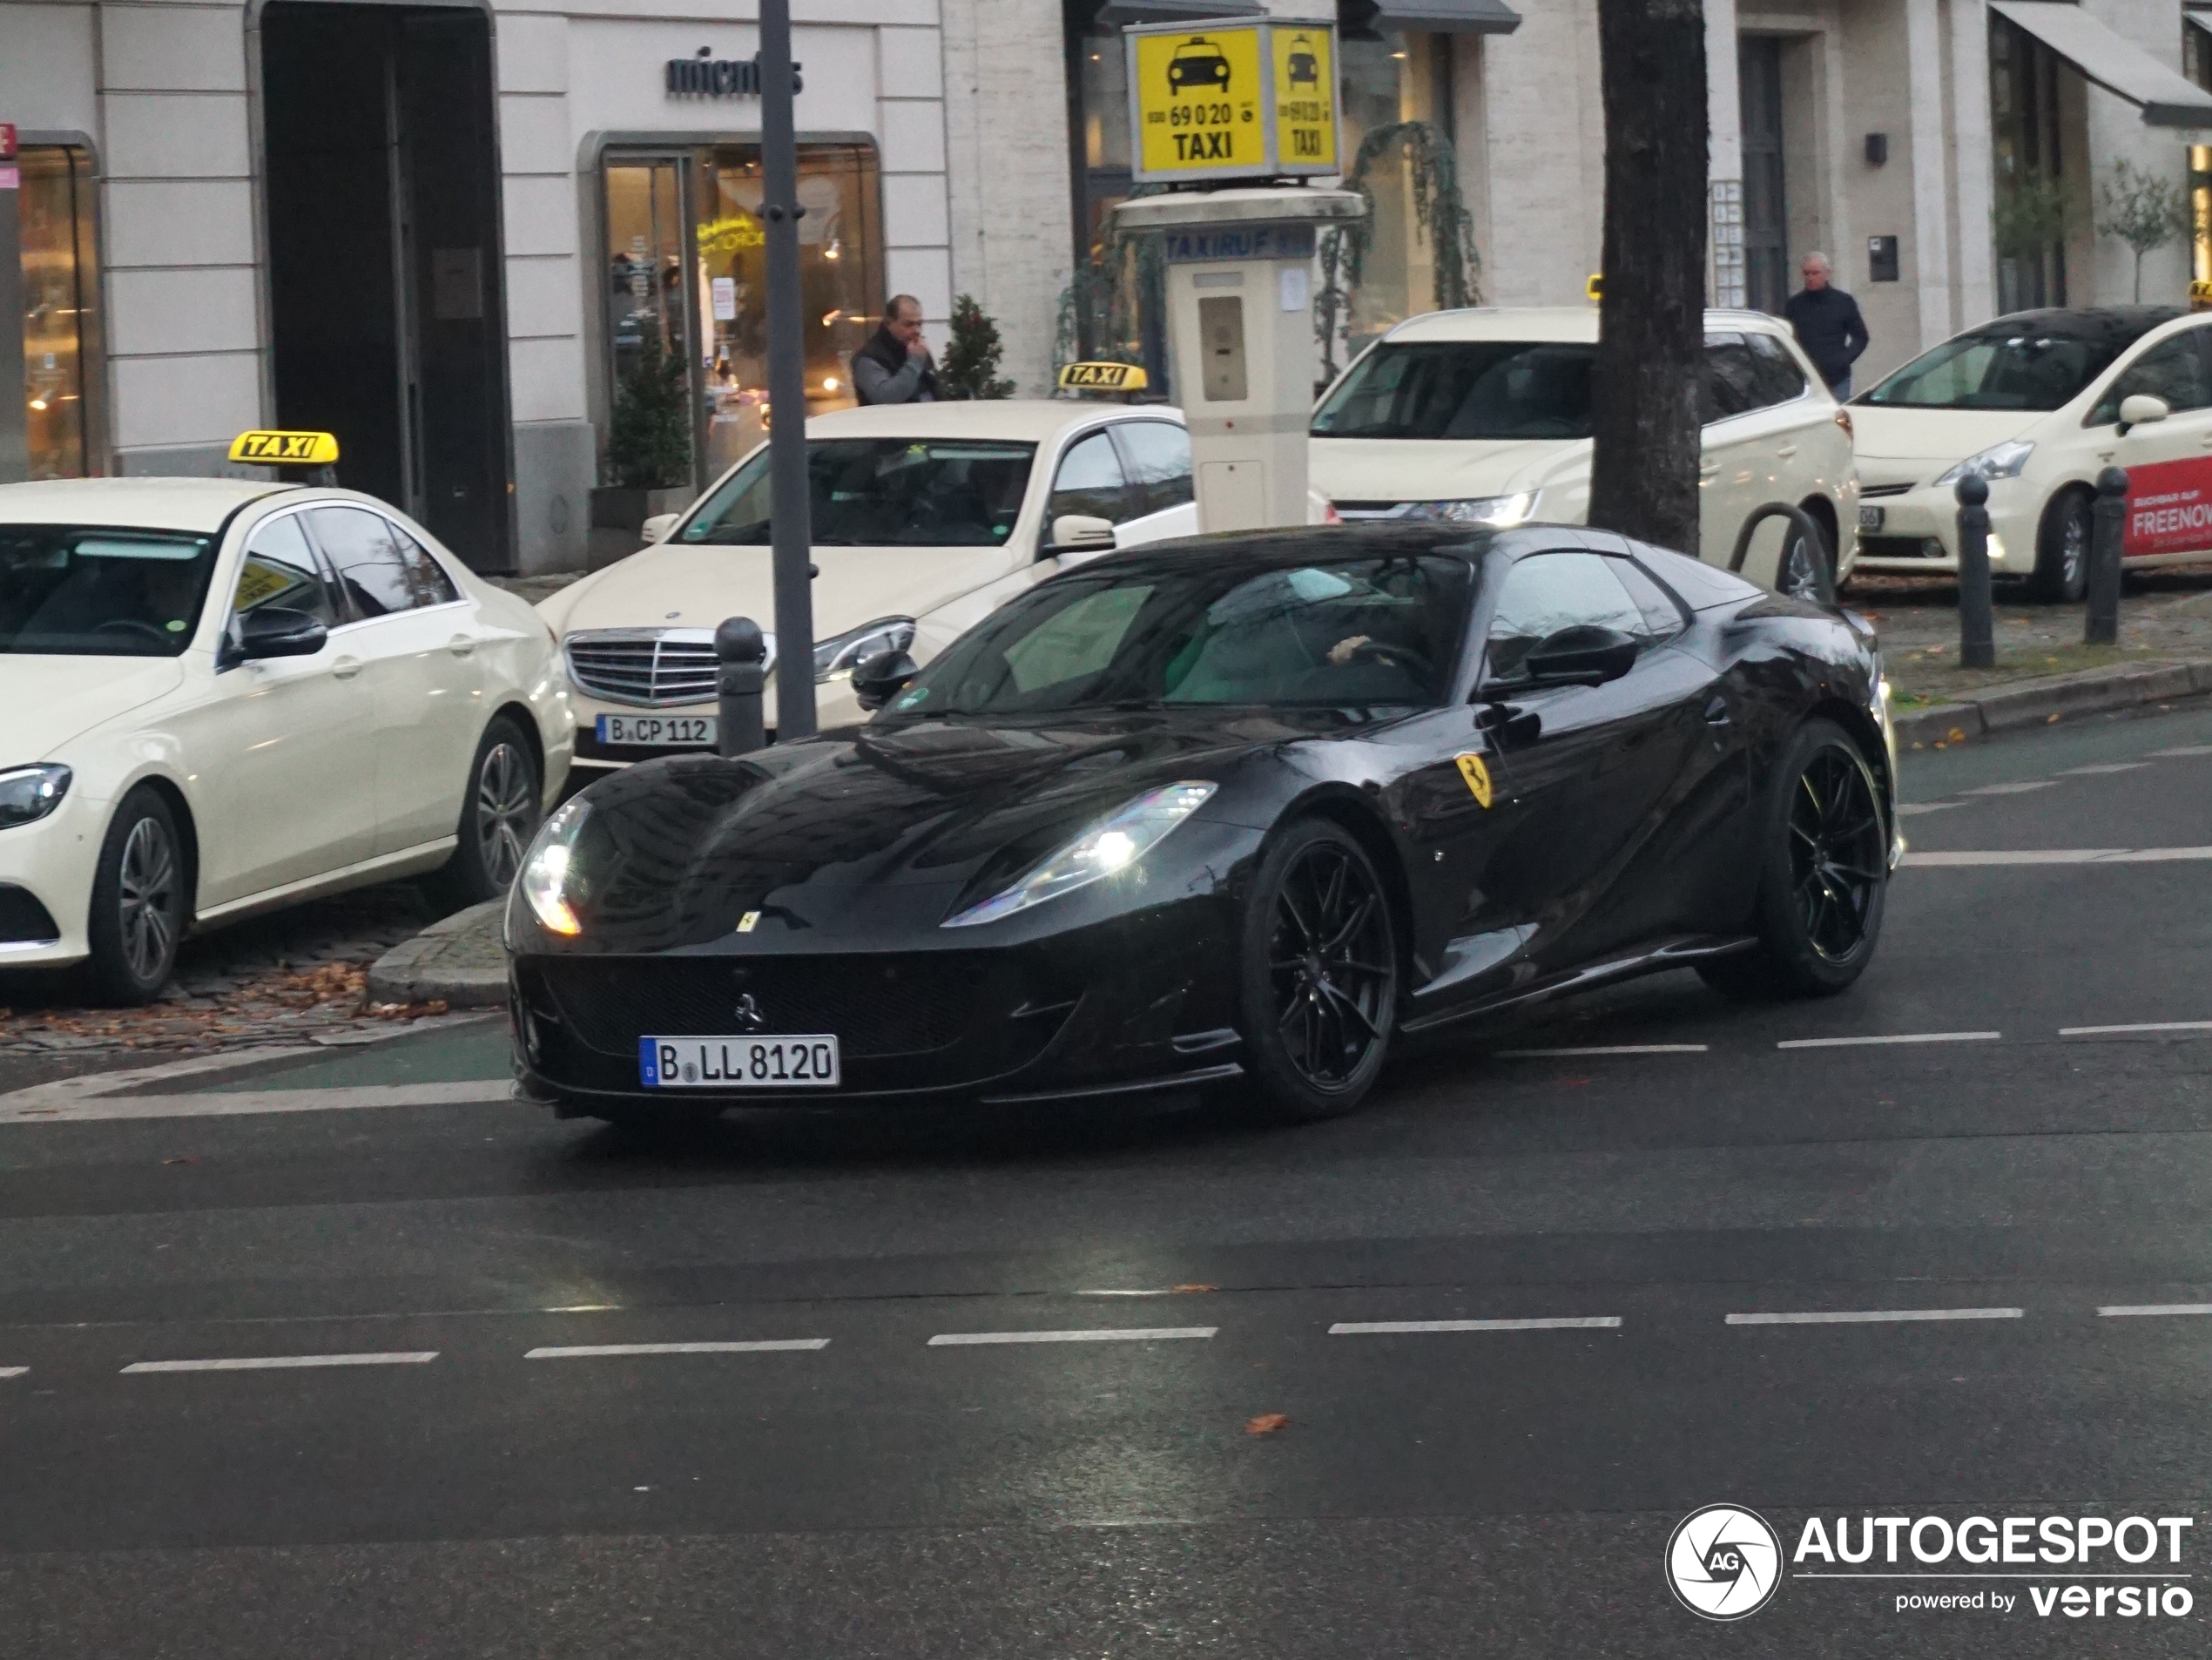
(1941, 436)
(869, 832)
(697, 587)
(1439, 470)
(52, 699)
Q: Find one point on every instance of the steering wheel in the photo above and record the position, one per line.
(1382, 655)
(160, 635)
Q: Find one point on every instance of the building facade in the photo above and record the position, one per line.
(511, 253)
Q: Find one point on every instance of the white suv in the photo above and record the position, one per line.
(1484, 415)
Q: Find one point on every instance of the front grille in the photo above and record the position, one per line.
(1868, 491)
(24, 920)
(650, 668)
(1899, 547)
(876, 1005)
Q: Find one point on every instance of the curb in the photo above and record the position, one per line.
(415, 971)
(2037, 703)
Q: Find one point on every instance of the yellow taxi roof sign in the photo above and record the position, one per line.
(1101, 377)
(1594, 287)
(2201, 295)
(285, 449)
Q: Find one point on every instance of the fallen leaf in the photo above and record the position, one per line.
(1266, 1424)
(2051, 719)
(1193, 1288)
(183, 1158)
(1957, 735)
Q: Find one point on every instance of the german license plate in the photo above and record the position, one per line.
(807, 1062)
(657, 731)
(1869, 518)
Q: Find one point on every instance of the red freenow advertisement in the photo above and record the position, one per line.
(2169, 508)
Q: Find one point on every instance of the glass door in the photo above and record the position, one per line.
(60, 336)
(652, 440)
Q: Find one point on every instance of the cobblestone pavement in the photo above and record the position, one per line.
(294, 974)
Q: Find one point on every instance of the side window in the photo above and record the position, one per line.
(1730, 381)
(1080, 639)
(1662, 618)
(280, 569)
(2174, 369)
(1159, 457)
(381, 567)
(1089, 481)
(1775, 376)
(1547, 593)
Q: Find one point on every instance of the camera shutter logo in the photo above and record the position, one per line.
(1724, 1562)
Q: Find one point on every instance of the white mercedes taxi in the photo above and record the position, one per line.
(229, 694)
(926, 517)
(2039, 403)
(1484, 415)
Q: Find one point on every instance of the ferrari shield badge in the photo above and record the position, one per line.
(1478, 778)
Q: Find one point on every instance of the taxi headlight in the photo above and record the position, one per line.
(1999, 461)
(1499, 512)
(549, 879)
(29, 793)
(836, 658)
(1114, 843)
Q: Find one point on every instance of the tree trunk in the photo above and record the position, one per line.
(1651, 319)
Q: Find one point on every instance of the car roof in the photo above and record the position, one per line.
(1010, 420)
(143, 504)
(2084, 322)
(1301, 544)
(1576, 323)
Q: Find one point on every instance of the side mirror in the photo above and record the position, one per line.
(657, 528)
(882, 678)
(1585, 655)
(2140, 407)
(1079, 533)
(273, 630)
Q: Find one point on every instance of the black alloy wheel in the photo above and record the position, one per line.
(1824, 874)
(498, 817)
(2062, 574)
(1798, 576)
(139, 902)
(1320, 977)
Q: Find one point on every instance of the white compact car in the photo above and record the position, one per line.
(1484, 415)
(228, 695)
(926, 517)
(2039, 403)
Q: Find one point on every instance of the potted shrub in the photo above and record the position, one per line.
(648, 441)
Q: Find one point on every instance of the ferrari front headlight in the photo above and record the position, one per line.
(549, 879)
(1113, 843)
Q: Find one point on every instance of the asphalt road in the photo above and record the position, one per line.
(846, 1486)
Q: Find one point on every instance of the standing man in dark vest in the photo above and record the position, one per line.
(895, 366)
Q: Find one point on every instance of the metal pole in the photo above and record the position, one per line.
(1977, 636)
(2108, 522)
(739, 653)
(791, 536)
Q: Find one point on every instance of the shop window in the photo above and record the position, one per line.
(2197, 63)
(2031, 196)
(1398, 77)
(61, 284)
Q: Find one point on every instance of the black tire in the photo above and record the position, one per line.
(1318, 982)
(1798, 567)
(140, 905)
(2062, 574)
(1823, 875)
(498, 817)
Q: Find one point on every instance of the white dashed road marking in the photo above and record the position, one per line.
(1605, 1048)
(2060, 856)
(1377, 1329)
(225, 1103)
(2146, 1026)
(2012, 789)
(1909, 809)
(2185, 750)
(284, 1362)
(13, 1371)
(2128, 1310)
(1874, 1316)
(1144, 1335)
(2102, 767)
(599, 1351)
(1889, 1037)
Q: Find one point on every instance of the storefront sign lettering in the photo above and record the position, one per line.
(706, 76)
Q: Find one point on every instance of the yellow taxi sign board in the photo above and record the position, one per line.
(285, 449)
(1594, 288)
(1101, 377)
(1233, 99)
(1305, 103)
(2201, 295)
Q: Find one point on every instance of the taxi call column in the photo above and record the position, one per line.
(1240, 336)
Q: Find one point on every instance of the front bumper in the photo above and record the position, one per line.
(53, 861)
(1918, 533)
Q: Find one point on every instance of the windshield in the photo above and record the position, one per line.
(1337, 633)
(2002, 368)
(882, 492)
(94, 590)
(1463, 389)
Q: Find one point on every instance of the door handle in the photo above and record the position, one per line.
(344, 668)
(1717, 711)
(461, 645)
(1707, 468)
(1786, 451)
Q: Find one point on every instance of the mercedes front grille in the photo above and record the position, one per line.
(648, 668)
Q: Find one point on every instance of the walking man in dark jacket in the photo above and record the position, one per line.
(895, 366)
(1827, 324)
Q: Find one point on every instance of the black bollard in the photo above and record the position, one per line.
(739, 655)
(1977, 628)
(2107, 525)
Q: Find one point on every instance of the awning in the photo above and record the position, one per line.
(1118, 14)
(1364, 20)
(2165, 97)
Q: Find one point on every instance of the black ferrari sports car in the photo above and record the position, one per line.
(1241, 806)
